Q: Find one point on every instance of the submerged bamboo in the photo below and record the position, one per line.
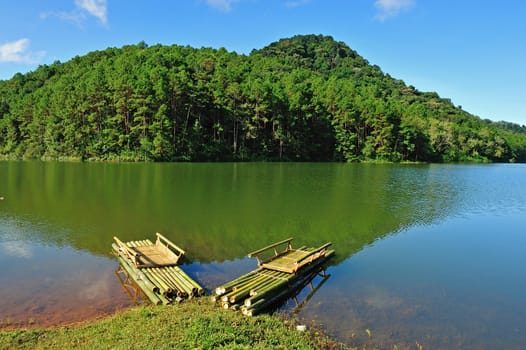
(142, 284)
(139, 274)
(279, 294)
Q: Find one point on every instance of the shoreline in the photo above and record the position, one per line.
(196, 323)
(119, 159)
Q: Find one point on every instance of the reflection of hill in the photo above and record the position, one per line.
(222, 211)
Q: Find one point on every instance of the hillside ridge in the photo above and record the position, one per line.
(304, 98)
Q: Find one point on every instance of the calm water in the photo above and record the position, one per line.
(433, 254)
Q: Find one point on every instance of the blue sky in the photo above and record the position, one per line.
(472, 52)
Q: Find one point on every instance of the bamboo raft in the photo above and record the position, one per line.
(279, 276)
(153, 268)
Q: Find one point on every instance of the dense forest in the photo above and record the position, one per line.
(306, 98)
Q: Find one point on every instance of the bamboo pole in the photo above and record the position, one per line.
(171, 282)
(248, 281)
(261, 288)
(164, 288)
(273, 287)
(275, 291)
(313, 252)
(167, 242)
(200, 289)
(130, 253)
(245, 291)
(162, 283)
(184, 280)
(173, 278)
(274, 245)
(271, 276)
(141, 283)
(160, 287)
(222, 289)
(251, 281)
(181, 284)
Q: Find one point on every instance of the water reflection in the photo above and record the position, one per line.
(428, 253)
(298, 298)
(450, 285)
(17, 249)
(50, 285)
(137, 296)
(221, 211)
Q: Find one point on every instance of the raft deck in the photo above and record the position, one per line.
(153, 268)
(289, 260)
(278, 276)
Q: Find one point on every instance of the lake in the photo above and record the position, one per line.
(433, 254)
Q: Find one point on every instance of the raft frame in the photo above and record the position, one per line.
(161, 253)
(278, 277)
(153, 268)
(289, 260)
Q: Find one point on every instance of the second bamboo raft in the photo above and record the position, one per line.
(276, 277)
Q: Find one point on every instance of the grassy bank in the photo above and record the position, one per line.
(192, 325)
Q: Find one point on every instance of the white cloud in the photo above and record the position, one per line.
(391, 8)
(84, 8)
(296, 3)
(222, 5)
(96, 8)
(18, 52)
(17, 249)
(75, 17)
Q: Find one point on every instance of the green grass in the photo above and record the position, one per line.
(196, 324)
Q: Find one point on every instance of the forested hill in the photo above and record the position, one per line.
(305, 98)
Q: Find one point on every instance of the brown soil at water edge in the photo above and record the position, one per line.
(57, 317)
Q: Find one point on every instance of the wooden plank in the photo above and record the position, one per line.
(293, 260)
(251, 254)
(152, 256)
(317, 250)
(127, 251)
(166, 241)
(144, 253)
